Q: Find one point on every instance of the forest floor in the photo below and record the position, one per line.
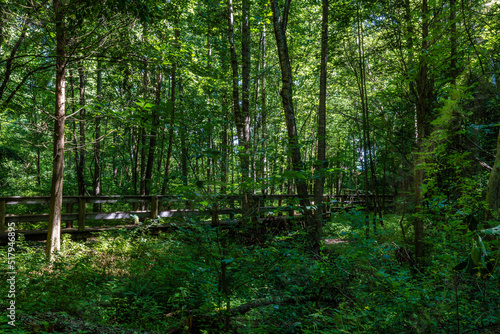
(205, 280)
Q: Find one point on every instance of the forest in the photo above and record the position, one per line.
(333, 165)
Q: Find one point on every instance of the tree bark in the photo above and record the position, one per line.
(145, 87)
(152, 136)
(224, 146)
(242, 117)
(80, 164)
(319, 181)
(420, 122)
(453, 42)
(184, 146)
(56, 192)
(279, 23)
(172, 116)
(264, 126)
(97, 145)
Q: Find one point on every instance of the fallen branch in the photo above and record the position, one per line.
(195, 323)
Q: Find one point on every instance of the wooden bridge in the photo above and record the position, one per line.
(133, 209)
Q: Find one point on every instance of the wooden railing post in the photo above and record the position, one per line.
(161, 204)
(69, 209)
(2, 215)
(82, 204)
(154, 207)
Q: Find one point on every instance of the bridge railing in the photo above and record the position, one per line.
(76, 208)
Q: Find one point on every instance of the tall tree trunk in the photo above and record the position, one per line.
(242, 117)
(263, 106)
(369, 165)
(224, 146)
(134, 160)
(152, 136)
(280, 23)
(319, 181)
(2, 22)
(80, 166)
(159, 163)
(56, 192)
(172, 113)
(420, 120)
(455, 120)
(184, 146)
(453, 42)
(145, 87)
(38, 139)
(96, 184)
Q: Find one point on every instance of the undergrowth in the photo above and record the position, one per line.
(193, 280)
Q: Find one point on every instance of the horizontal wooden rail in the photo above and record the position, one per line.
(157, 206)
(10, 200)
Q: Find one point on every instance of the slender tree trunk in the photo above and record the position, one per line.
(242, 117)
(152, 137)
(368, 149)
(184, 146)
(145, 86)
(420, 120)
(225, 146)
(319, 183)
(56, 192)
(2, 22)
(455, 120)
(80, 165)
(96, 184)
(38, 138)
(263, 108)
(134, 152)
(114, 160)
(279, 23)
(162, 131)
(453, 42)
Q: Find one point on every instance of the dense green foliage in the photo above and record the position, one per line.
(412, 110)
(131, 281)
(195, 115)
